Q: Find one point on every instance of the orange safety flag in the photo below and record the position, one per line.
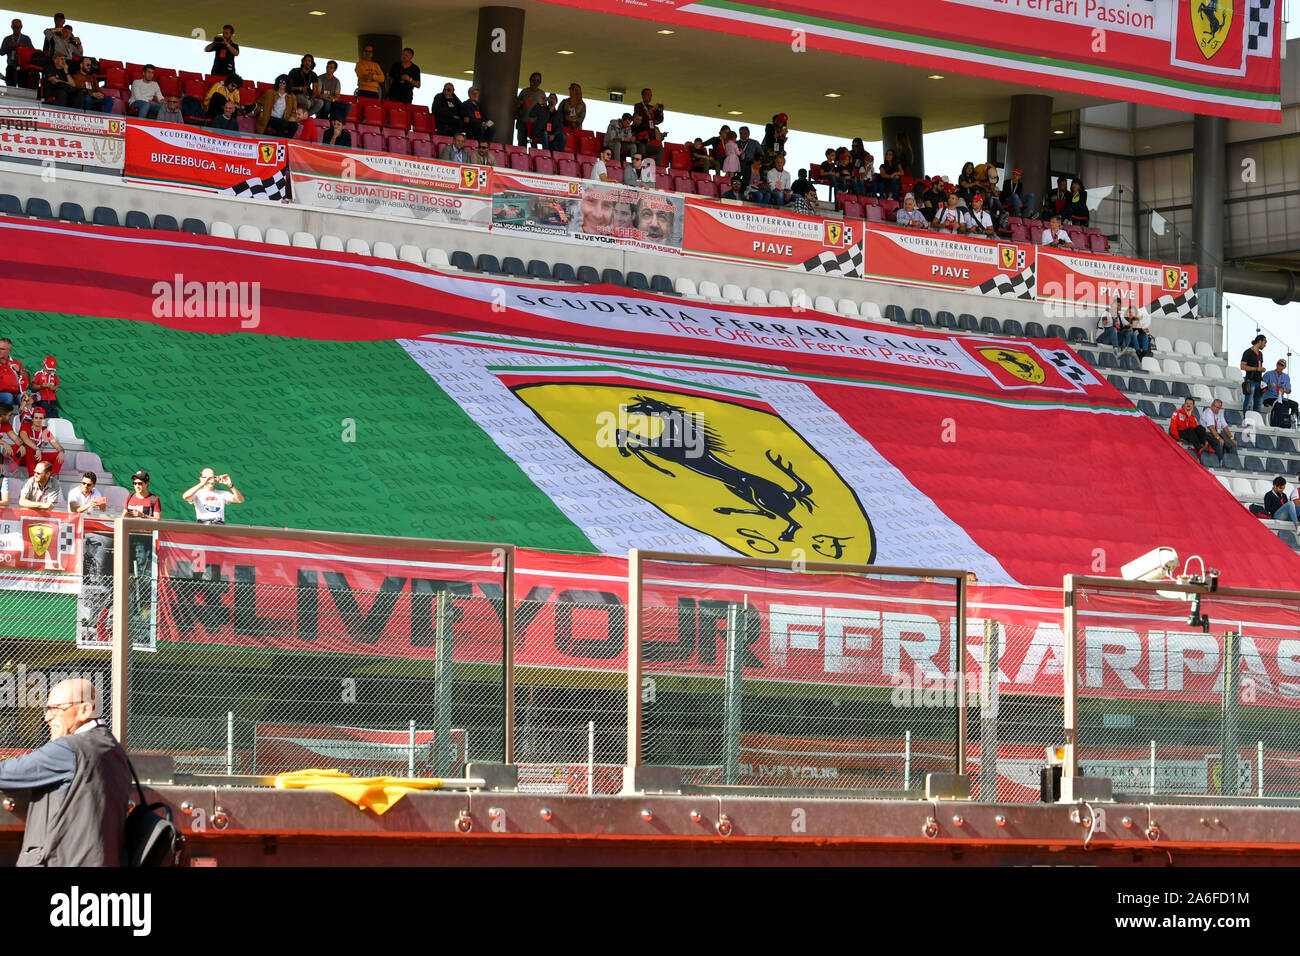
(370, 793)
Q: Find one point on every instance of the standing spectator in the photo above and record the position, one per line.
(41, 444)
(79, 783)
(227, 120)
(803, 194)
(1217, 432)
(1276, 387)
(93, 99)
(224, 49)
(337, 135)
(1076, 208)
(456, 151)
(11, 449)
(1057, 201)
(575, 114)
(1277, 507)
(39, 492)
(477, 125)
(891, 175)
(966, 186)
(632, 171)
(52, 32)
(369, 76)
(774, 135)
(303, 81)
(1014, 196)
(141, 503)
(979, 221)
(731, 155)
(1186, 427)
(83, 499)
(13, 377)
(1252, 363)
(403, 78)
(750, 150)
(46, 384)
(9, 48)
(62, 41)
(222, 90)
(649, 137)
(778, 181)
(554, 124)
(448, 112)
(57, 86)
(600, 169)
(757, 189)
(528, 98)
(619, 139)
(209, 502)
(908, 215)
(330, 91)
(863, 169)
(1054, 235)
(275, 108)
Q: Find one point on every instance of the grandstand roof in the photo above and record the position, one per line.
(701, 72)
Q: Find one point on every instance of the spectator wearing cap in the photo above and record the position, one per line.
(146, 94)
(909, 216)
(1014, 196)
(1277, 388)
(619, 138)
(735, 189)
(84, 500)
(41, 445)
(141, 503)
(209, 501)
(978, 220)
(46, 384)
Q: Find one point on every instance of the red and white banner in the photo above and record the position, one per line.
(362, 751)
(1080, 278)
(757, 236)
(1221, 58)
(191, 158)
(59, 136)
(922, 257)
(39, 550)
(390, 185)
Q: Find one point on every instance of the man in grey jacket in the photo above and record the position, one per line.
(79, 783)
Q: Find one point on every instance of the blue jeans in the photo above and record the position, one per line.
(1127, 339)
(1286, 513)
(1253, 394)
(778, 198)
(1021, 205)
(146, 110)
(1107, 337)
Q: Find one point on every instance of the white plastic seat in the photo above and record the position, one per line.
(1163, 344)
(384, 250)
(358, 247)
(410, 253)
(277, 237)
(685, 286)
(1150, 365)
(1225, 394)
(733, 293)
(1226, 482)
(1262, 487)
(331, 243)
(710, 290)
(63, 430)
(1183, 347)
(824, 303)
(777, 297)
(249, 233)
(799, 300)
(755, 296)
(437, 258)
(88, 461)
(1212, 370)
(870, 310)
(847, 307)
(1255, 417)
(1243, 488)
(303, 240)
(1191, 370)
(116, 498)
(222, 230)
(1201, 393)
(1204, 350)
(1171, 367)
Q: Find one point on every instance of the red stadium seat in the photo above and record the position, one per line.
(589, 147)
(422, 148)
(372, 115)
(586, 169)
(398, 145)
(161, 72)
(439, 142)
(706, 188)
(520, 162)
(194, 88)
(567, 167)
(113, 65)
(364, 128)
(875, 214)
(418, 137)
(422, 123)
(1099, 243)
(684, 184)
(701, 177)
(664, 181)
(248, 96)
(889, 207)
(1035, 232)
(559, 155)
(498, 156)
(372, 141)
(134, 73)
(544, 165)
(169, 85)
(869, 200)
(399, 119)
(853, 210)
(181, 75)
(117, 77)
(1019, 232)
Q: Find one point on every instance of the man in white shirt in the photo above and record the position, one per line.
(778, 181)
(909, 215)
(648, 173)
(949, 218)
(146, 94)
(84, 500)
(1054, 235)
(599, 169)
(210, 503)
(1216, 428)
(979, 221)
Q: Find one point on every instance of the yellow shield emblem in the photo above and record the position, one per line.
(1212, 23)
(1008, 257)
(469, 177)
(834, 234)
(267, 153)
(1172, 277)
(1020, 364)
(40, 536)
(736, 472)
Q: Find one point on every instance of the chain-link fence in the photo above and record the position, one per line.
(229, 675)
(1189, 695)
(781, 678)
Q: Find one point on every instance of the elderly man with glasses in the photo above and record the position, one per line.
(79, 784)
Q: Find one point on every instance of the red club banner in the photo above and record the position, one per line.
(757, 236)
(192, 158)
(922, 257)
(39, 550)
(1080, 278)
(1220, 58)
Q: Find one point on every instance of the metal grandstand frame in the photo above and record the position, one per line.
(123, 528)
(635, 671)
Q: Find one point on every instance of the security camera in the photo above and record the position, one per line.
(1156, 565)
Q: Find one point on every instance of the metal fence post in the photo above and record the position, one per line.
(121, 637)
(731, 706)
(444, 631)
(907, 760)
(1230, 713)
(230, 743)
(1070, 678)
(989, 712)
(633, 658)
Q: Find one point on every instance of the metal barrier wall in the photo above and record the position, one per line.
(258, 651)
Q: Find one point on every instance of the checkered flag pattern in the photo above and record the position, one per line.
(1069, 366)
(1018, 286)
(1182, 306)
(1258, 23)
(846, 263)
(67, 538)
(273, 188)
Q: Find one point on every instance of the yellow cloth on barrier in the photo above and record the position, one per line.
(378, 794)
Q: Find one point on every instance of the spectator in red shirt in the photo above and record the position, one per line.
(41, 443)
(142, 504)
(11, 448)
(646, 117)
(13, 377)
(1185, 427)
(306, 131)
(46, 384)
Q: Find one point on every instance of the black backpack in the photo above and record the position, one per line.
(152, 838)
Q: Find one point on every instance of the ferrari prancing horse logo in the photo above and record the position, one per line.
(1211, 22)
(1020, 364)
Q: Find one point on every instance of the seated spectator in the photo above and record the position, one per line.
(171, 111)
(778, 182)
(275, 108)
(41, 443)
(1217, 431)
(26, 408)
(1058, 201)
(632, 170)
(85, 500)
(330, 90)
(1276, 392)
(978, 220)
(228, 119)
(735, 190)
(1054, 235)
(403, 78)
(477, 125)
(966, 186)
(600, 168)
(1140, 327)
(804, 194)
(57, 86)
(574, 113)
(222, 90)
(775, 134)
(646, 117)
(891, 175)
(369, 74)
(1276, 506)
(934, 197)
(701, 161)
(908, 215)
(336, 135)
(13, 377)
(46, 385)
(757, 189)
(146, 95)
(1185, 427)
(142, 503)
(1076, 208)
(448, 112)
(303, 81)
(9, 47)
(40, 492)
(304, 127)
(949, 219)
(93, 99)
(1107, 325)
(481, 155)
(831, 174)
(456, 151)
(619, 138)
(12, 451)
(1014, 197)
